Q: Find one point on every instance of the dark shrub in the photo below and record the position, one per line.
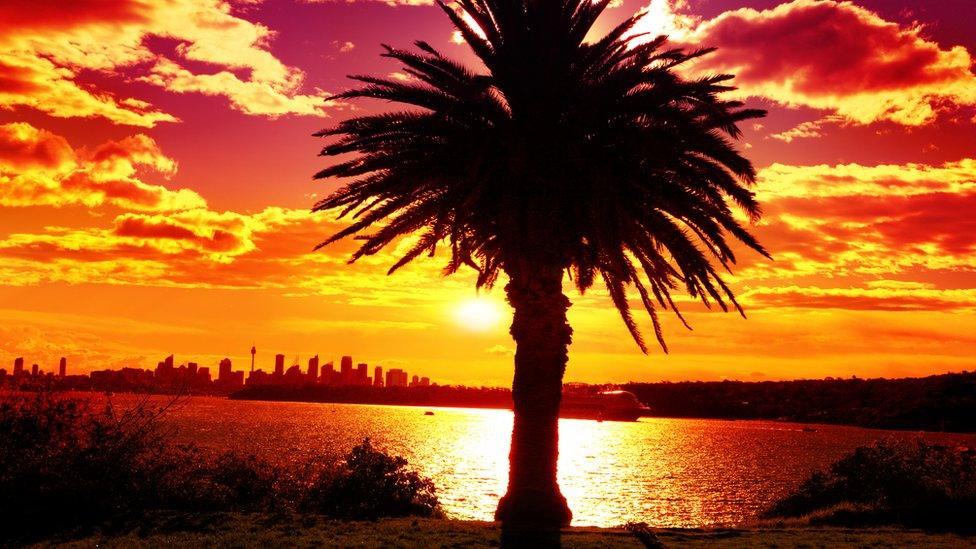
(66, 466)
(913, 484)
(64, 463)
(371, 484)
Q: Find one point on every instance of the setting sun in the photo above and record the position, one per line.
(479, 314)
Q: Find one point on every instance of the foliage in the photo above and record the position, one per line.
(912, 484)
(593, 157)
(936, 403)
(371, 484)
(68, 466)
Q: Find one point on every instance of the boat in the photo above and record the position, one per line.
(603, 406)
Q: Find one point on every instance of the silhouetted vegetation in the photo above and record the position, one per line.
(371, 484)
(910, 484)
(70, 467)
(935, 403)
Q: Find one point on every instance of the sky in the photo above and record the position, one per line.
(156, 165)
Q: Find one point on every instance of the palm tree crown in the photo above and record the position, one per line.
(592, 157)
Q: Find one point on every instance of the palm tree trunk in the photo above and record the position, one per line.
(542, 337)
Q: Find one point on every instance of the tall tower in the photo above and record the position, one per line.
(253, 352)
(63, 367)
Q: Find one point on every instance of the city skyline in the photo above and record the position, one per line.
(191, 375)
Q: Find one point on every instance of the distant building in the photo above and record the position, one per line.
(63, 367)
(396, 378)
(313, 368)
(34, 369)
(18, 366)
(362, 375)
(425, 382)
(345, 371)
(328, 373)
(279, 365)
(415, 381)
(378, 376)
(294, 375)
(165, 373)
(224, 370)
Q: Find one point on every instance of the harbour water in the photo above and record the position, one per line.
(666, 472)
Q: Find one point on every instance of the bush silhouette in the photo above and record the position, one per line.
(372, 484)
(912, 484)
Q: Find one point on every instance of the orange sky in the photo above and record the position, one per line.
(155, 180)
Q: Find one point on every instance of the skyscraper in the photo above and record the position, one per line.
(396, 378)
(223, 374)
(378, 376)
(328, 374)
(63, 367)
(18, 366)
(34, 370)
(313, 368)
(362, 378)
(279, 365)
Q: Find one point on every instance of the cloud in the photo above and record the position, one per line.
(255, 97)
(808, 130)
(852, 222)
(870, 298)
(48, 45)
(38, 83)
(500, 350)
(845, 180)
(343, 47)
(829, 55)
(39, 168)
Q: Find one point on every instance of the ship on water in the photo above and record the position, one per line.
(603, 406)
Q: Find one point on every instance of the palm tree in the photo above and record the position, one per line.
(560, 156)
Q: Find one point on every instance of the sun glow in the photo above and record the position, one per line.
(660, 17)
(479, 314)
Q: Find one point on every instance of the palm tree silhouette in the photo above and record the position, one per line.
(558, 156)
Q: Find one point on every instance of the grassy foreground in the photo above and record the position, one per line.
(263, 530)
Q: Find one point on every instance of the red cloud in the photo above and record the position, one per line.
(22, 146)
(38, 167)
(210, 238)
(44, 45)
(48, 15)
(829, 55)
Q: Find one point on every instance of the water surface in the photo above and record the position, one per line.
(666, 472)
